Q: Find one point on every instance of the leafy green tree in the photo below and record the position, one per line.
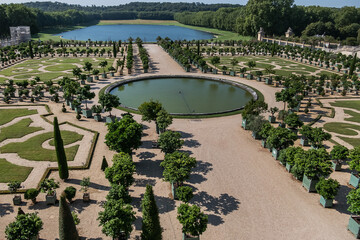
(116, 219)
(170, 141)
(286, 96)
(254, 108)
(233, 63)
(119, 193)
(124, 135)
(115, 50)
(85, 94)
(67, 228)
(31, 50)
(177, 167)
(328, 188)
(293, 121)
(163, 119)
(353, 65)
(122, 170)
(353, 199)
(60, 151)
(184, 193)
(31, 194)
(192, 219)
(281, 138)
(318, 136)
(103, 65)
(151, 229)
(265, 130)
(109, 101)
(354, 155)
(149, 111)
(339, 153)
(317, 164)
(24, 227)
(88, 67)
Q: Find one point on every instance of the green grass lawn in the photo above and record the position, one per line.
(32, 149)
(355, 117)
(355, 142)
(18, 130)
(342, 128)
(7, 115)
(347, 104)
(11, 172)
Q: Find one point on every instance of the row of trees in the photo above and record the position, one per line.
(277, 16)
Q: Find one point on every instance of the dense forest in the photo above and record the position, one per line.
(130, 7)
(276, 16)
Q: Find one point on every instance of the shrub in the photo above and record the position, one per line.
(70, 193)
(24, 227)
(31, 194)
(170, 141)
(353, 199)
(328, 188)
(354, 155)
(184, 193)
(192, 219)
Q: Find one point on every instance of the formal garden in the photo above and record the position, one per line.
(38, 152)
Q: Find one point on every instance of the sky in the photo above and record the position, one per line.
(325, 3)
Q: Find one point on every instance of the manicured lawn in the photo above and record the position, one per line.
(355, 142)
(11, 172)
(32, 149)
(342, 128)
(18, 130)
(355, 117)
(7, 115)
(55, 68)
(347, 104)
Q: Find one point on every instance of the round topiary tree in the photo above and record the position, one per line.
(339, 154)
(122, 170)
(70, 193)
(170, 141)
(25, 227)
(184, 193)
(31, 194)
(328, 188)
(193, 221)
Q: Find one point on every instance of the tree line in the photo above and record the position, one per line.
(276, 16)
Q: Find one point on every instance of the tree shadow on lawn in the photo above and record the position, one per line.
(341, 205)
(6, 208)
(224, 204)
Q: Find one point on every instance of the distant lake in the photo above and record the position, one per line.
(148, 33)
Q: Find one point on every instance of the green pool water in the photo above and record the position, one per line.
(183, 95)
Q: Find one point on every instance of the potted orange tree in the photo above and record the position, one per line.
(354, 164)
(193, 221)
(353, 199)
(49, 186)
(85, 187)
(327, 188)
(13, 187)
(338, 154)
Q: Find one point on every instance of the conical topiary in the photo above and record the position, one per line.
(151, 229)
(104, 164)
(60, 152)
(67, 228)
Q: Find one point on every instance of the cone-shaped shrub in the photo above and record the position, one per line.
(151, 229)
(60, 151)
(104, 164)
(67, 228)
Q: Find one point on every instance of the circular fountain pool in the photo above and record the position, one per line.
(184, 95)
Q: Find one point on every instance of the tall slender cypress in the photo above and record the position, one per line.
(67, 228)
(352, 67)
(114, 49)
(60, 152)
(151, 229)
(31, 50)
